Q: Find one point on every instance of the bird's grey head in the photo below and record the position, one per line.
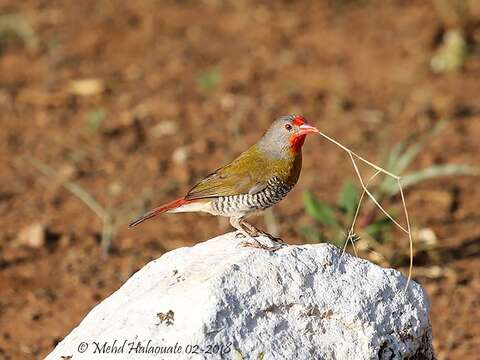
(285, 136)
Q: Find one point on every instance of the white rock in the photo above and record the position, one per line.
(296, 303)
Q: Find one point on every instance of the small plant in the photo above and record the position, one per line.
(338, 217)
(14, 27)
(208, 79)
(95, 119)
(335, 219)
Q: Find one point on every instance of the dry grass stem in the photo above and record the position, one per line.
(370, 195)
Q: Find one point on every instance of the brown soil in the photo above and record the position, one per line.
(355, 68)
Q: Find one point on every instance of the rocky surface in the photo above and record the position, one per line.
(221, 300)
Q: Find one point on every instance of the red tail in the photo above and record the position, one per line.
(158, 210)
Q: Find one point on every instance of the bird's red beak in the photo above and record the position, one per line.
(307, 129)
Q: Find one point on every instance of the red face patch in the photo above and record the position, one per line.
(298, 120)
(296, 143)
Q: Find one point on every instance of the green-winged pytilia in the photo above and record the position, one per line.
(257, 179)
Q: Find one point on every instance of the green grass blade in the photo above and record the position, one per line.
(75, 189)
(378, 226)
(319, 211)
(394, 155)
(310, 234)
(413, 150)
(403, 160)
(436, 171)
(348, 198)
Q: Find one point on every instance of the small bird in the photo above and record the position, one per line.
(257, 179)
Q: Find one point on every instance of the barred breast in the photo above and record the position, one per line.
(244, 203)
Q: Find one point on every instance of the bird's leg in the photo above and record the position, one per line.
(249, 231)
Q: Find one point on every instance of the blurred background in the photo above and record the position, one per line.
(110, 107)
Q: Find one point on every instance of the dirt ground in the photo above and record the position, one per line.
(178, 88)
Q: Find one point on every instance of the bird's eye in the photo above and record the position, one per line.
(288, 127)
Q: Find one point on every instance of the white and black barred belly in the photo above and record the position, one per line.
(235, 205)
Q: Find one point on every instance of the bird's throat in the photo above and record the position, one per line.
(296, 143)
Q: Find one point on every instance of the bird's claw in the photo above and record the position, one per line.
(252, 232)
(274, 238)
(257, 245)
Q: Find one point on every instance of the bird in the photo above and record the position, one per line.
(256, 180)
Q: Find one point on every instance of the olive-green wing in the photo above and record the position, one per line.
(245, 175)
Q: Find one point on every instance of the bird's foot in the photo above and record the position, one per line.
(255, 232)
(274, 238)
(254, 243)
(248, 231)
(258, 245)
